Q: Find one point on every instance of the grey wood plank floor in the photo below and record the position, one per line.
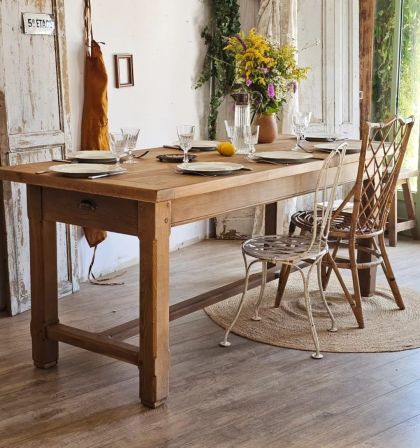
(252, 395)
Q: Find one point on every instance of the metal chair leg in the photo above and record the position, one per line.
(225, 342)
(256, 316)
(333, 328)
(317, 354)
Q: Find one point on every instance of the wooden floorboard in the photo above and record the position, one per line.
(251, 395)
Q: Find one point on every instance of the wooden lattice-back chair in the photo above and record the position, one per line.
(362, 229)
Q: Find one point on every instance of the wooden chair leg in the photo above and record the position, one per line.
(334, 268)
(328, 270)
(410, 207)
(357, 295)
(284, 276)
(389, 274)
(392, 223)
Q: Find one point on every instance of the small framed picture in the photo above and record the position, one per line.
(124, 72)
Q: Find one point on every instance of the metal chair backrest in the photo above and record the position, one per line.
(378, 175)
(325, 193)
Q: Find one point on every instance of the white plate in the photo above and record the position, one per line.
(352, 145)
(204, 144)
(282, 155)
(82, 169)
(209, 167)
(93, 155)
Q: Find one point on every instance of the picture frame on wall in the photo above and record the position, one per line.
(124, 70)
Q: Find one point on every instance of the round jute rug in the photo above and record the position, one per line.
(387, 328)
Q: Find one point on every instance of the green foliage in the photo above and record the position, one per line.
(385, 65)
(219, 67)
(383, 62)
(409, 94)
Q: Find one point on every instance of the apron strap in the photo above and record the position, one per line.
(107, 281)
(88, 27)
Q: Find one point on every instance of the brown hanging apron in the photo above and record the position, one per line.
(95, 106)
(95, 112)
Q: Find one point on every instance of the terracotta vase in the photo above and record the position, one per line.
(268, 128)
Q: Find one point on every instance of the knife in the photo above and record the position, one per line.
(98, 176)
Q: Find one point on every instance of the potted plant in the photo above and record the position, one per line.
(264, 66)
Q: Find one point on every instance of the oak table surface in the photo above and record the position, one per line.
(146, 201)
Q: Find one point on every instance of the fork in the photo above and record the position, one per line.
(141, 155)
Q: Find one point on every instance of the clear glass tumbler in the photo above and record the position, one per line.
(118, 142)
(132, 137)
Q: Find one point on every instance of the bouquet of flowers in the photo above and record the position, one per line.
(265, 67)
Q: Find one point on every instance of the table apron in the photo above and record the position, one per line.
(89, 210)
(208, 205)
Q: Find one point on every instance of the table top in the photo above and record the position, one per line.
(152, 181)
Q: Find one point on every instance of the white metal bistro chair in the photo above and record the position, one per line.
(286, 250)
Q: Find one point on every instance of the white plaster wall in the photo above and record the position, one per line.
(164, 38)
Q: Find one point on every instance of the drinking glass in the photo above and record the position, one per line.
(301, 122)
(251, 134)
(132, 136)
(230, 129)
(186, 137)
(118, 143)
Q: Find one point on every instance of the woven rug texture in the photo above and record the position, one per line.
(387, 328)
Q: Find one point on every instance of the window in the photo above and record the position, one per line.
(396, 76)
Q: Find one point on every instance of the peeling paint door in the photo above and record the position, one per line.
(34, 127)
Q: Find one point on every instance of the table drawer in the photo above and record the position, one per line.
(84, 209)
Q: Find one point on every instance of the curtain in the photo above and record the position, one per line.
(277, 19)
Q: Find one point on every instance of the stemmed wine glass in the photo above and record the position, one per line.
(185, 136)
(132, 136)
(251, 133)
(301, 122)
(118, 142)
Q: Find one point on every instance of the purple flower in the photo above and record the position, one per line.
(248, 82)
(271, 91)
(265, 70)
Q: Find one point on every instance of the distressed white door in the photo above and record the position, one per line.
(34, 127)
(331, 91)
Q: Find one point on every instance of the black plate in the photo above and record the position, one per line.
(320, 139)
(175, 158)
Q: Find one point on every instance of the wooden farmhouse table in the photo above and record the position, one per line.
(146, 202)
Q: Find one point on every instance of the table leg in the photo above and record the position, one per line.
(271, 219)
(44, 291)
(367, 277)
(154, 232)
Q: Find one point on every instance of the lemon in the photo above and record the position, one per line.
(226, 149)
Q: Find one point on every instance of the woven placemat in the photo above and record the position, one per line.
(387, 328)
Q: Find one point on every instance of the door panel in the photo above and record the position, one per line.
(328, 40)
(32, 100)
(36, 128)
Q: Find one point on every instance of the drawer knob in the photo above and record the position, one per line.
(87, 205)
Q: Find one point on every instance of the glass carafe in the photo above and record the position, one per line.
(243, 102)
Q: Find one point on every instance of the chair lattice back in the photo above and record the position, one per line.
(378, 175)
(326, 190)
